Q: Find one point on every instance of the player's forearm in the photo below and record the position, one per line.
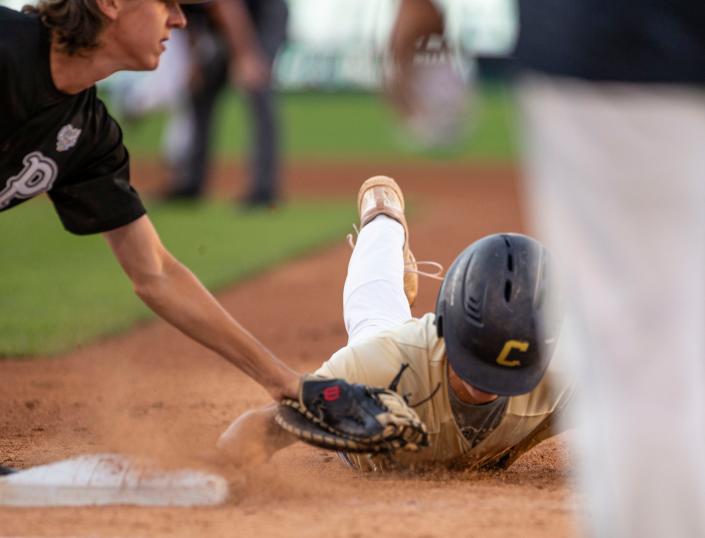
(176, 295)
(173, 292)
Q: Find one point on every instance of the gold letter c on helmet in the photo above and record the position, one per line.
(510, 345)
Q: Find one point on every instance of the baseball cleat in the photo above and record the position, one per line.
(380, 195)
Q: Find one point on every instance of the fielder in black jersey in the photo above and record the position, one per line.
(65, 145)
(57, 137)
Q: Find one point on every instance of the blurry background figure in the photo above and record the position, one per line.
(437, 59)
(614, 117)
(434, 104)
(231, 41)
(428, 91)
(332, 46)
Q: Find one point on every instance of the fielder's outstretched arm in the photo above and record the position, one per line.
(174, 293)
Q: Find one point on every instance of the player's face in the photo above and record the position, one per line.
(141, 30)
(478, 395)
(466, 391)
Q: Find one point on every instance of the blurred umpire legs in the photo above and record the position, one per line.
(190, 133)
(615, 180)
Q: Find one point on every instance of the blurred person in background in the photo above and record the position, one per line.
(613, 119)
(232, 41)
(426, 89)
(56, 136)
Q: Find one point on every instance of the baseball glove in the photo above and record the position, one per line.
(334, 414)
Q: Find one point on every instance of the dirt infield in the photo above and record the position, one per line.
(154, 392)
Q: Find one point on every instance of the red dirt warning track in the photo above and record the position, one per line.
(155, 392)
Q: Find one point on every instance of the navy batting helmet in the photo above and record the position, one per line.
(496, 311)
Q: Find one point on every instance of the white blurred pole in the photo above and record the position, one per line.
(616, 183)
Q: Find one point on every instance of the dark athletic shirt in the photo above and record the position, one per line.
(257, 9)
(196, 12)
(660, 41)
(66, 145)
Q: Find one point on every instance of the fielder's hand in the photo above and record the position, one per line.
(334, 414)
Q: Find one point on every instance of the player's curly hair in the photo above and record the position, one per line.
(75, 24)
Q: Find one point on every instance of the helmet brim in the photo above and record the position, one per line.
(492, 378)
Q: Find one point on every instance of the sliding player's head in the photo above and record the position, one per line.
(497, 314)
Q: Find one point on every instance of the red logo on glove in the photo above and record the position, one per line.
(331, 394)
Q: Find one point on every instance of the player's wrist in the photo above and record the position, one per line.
(287, 387)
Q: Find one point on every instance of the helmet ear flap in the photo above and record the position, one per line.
(439, 326)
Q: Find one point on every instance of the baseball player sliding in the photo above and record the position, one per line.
(476, 371)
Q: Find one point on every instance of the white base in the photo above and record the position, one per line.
(110, 479)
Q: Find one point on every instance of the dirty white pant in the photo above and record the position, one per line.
(616, 182)
(373, 296)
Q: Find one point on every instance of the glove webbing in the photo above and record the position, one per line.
(322, 424)
(337, 441)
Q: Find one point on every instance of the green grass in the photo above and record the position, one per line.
(58, 290)
(334, 126)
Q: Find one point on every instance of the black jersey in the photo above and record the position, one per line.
(641, 41)
(65, 145)
(260, 12)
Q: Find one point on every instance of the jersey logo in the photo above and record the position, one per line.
(510, 345)
(38, 175)
(67, 137)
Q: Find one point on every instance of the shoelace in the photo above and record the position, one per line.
(408, 268)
